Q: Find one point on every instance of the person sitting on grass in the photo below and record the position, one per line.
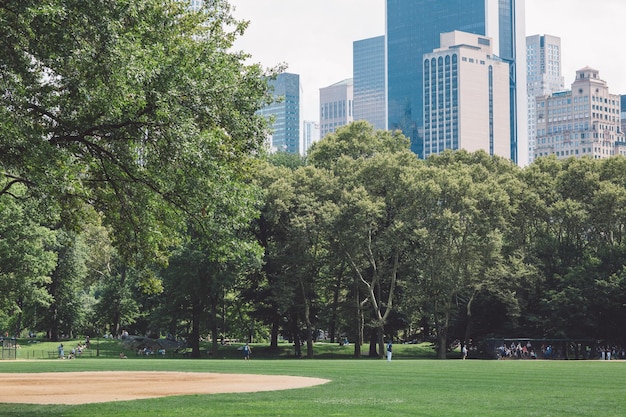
(122, 356)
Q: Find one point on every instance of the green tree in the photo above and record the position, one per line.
(368, 226)
(140, 110)
(197, 282)
(66, 313)
(460, 213)
(27, 260)
(136, 108)
(307, 245)
(268, 290)
(579, 247)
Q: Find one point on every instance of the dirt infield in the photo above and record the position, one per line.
(94, 387)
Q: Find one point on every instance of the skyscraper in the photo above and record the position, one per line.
(543, 59)
(368, 60)
(466, 97)
(623, 112)
(336, 108)
(310, 135)
(285, 110)
(413, 29)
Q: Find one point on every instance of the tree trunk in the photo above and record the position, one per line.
(373, 343)
(53, 333)
(333, 316)
(374, 296)
(332, 328)
(274, 335)
(468, 323)
(380, 333)
(442, 350)
(442, 335)
(117, 313)
(307, 321)
(20, 315)
(297, 343)
(359, 320)
(214, 331)
(194, 341)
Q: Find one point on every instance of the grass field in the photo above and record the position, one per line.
(365, 387)
(110, 348)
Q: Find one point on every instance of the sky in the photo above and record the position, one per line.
(314, 37)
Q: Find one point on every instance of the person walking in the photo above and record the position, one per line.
(246, 351)
(389, 349)
(464, 350)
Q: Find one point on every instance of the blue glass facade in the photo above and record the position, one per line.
(368, 58)
(507, 24)
(286, 113)
(413, 29)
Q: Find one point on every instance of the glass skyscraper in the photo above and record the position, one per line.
(286, 113)
(413, 29)
(368, 60)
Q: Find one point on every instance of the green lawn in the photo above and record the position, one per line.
(366, 387)
(111, 348)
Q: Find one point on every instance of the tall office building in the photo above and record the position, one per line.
(310, 135)
(543, 59)
(285, 110)
(368, 61)
(623, 112)
(336, 106)
(584, 121)
(413, 28)
(466, 97)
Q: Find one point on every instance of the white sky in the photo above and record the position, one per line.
(314, 37)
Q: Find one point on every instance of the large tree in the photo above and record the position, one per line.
(368, 227)
(137, 108)
(27, 260)
(459, 218)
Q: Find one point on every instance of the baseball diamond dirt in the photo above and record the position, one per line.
(94, 387)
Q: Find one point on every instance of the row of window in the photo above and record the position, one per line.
(336, 110)
(605, 100)
(598, 152)
(577, 127)
(568, 109)
(472, 60)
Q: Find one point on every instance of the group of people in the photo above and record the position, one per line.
(607, 352)
(148, 350)
(547, 351)
(145, 351)
(75, 351)
(522, 351)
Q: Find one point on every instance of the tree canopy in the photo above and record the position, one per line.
(138, 108)
(135, 194)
